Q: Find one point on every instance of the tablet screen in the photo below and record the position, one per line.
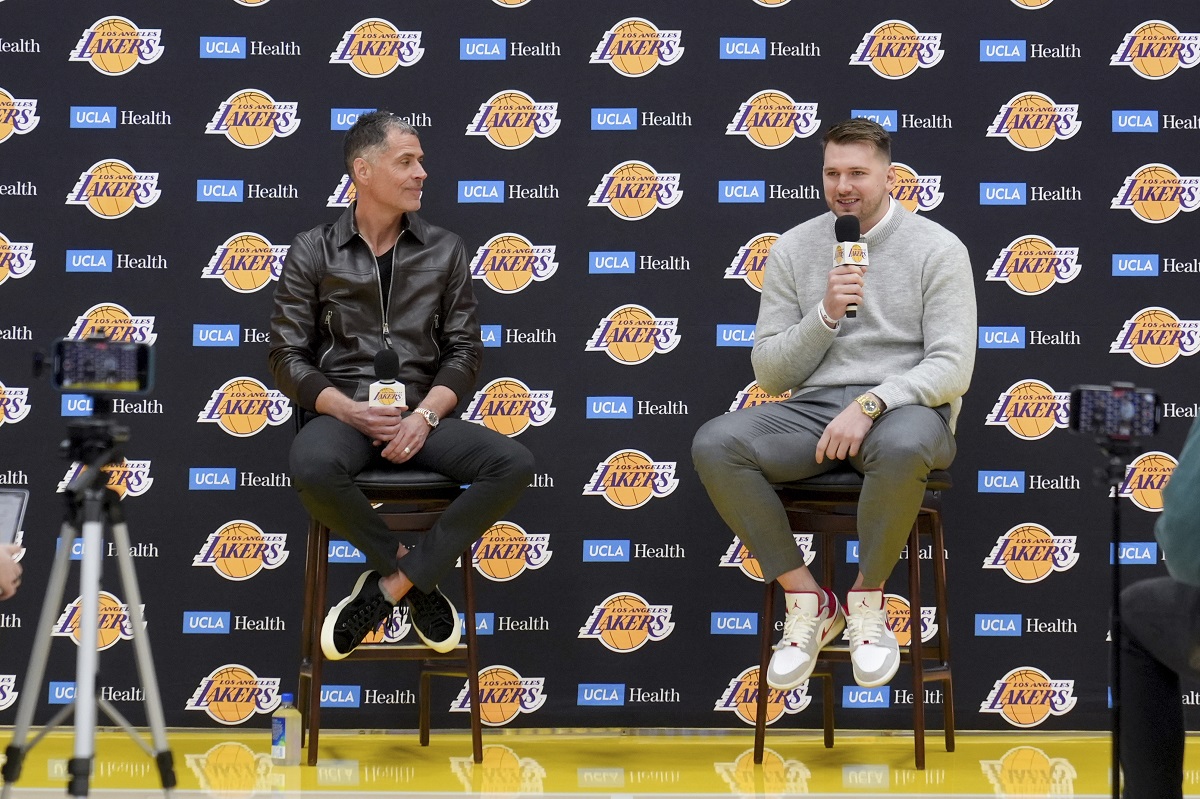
(12, 511)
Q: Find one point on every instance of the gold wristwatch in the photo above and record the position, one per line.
(870, 406)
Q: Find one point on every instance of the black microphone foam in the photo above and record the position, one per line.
(846, 228)
(387, 364)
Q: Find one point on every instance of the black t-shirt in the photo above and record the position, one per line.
(385, 273)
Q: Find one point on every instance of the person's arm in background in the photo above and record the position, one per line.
(10, 570)
(1178, 528)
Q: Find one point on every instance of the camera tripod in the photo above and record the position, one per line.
(92, 508)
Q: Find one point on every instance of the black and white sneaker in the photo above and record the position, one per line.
(434, 619)
(351, 620)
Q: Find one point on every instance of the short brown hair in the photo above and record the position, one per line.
(368, 136)
(860, 130)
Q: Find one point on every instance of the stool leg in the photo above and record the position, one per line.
(764, 661)
(915, 649)
(939, 582)
(307, 628)
(316, 656)
(424, 702)
(472, 657)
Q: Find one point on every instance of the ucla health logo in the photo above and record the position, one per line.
(1027, 696)
(1156, 337)
(635, 47)
(246, 262)
(509, 262)
(1156, 193)
(17, 117)
(629, 478)
(503, 695)
(1030, 409)
(739, 557)
(113, 622)
(631, 334)
(233, 694)
(1029, 553)
(895, 49)
(510, 119)
(753, 394)
(1155, 50)
(112, 188)
(914, 191)
(510, 407)
(14, 404)
(114, 323)
(239, 550)
(1146, 478)
(741, 698)
(128, 478)
(375, 47)
(771, 119)
(625, 622)
(633, 190)
(16, 259)
(343, 195)
(1032, 121)
(751, 260)
(251, 118)
(1031, 264)
(114, 45)
(505, 552)
(244, 407)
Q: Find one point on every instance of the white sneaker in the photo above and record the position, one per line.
(874, 652)
(806, 629)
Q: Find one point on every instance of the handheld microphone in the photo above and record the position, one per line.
(849, 249)
(386, 391)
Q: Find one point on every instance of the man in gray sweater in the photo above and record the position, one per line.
(879, 391)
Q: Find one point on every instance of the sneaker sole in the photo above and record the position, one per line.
(451, 642)
(327, 627)
(887, 678)
(839, 624)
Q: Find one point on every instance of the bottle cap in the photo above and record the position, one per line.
(287, 698)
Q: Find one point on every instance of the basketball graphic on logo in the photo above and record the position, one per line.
(247, 249)
(638, 203)
(516, 249)
(630, 318)
(246, 414)
(251, 105)
(229, 769)
(501, 689)
(1150, 324)
(514, 104)
(1156, 37)
(104, 318)
(375, 34)
(1031, 427)
(507, 391)
(502, 537)
(1028, 537)
(509, 4)
(906, 188)
(121, 177)
(899, 618)
(751, 566)
(772, 3)
(619, 606)
(1032, 282)
(245, 539)
(899, 36)
(1151, 468)
(1029, 682)
(765, 106)
(629, 496)
(759, 248)
(631, 35)
(747, 704)
(1032, 3)
(231, 702)
(118, 59)
(1027, 771)
(1156, 210)
(1033, 138)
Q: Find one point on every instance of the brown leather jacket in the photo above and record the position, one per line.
(329, 321)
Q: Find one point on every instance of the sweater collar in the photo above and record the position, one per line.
(885, 227)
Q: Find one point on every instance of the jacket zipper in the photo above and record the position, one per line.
(437, 318)
(332, 342)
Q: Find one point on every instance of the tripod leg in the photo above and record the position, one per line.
(87, 659)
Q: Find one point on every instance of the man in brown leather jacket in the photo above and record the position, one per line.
(382, 278)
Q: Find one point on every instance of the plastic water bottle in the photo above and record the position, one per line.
(285, 733)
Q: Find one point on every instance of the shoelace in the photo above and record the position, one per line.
(797, 629)
(429, 606)
(364, 616)
(868, 627)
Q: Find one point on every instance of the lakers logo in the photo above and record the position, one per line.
(16, 259)
(1156, 337)
(634, 47)
(232, 694)
(899, 619)
(1028, 553)
(1155, 50)
(753, 394)
(774, 777)
(511, 119)
(633, 190)
(8, 691)
(914, 191)
(246, 262)
(1032, 4)
(1028, 771)
(628, 479)
(231, 768)
(751, 260)
(17, 117)
(375, 47)
(505, 551)
(631, 334)
(1026, 696)
(509, 262)
(511, 4)
(393, 629)
(14, 404)
(1030, 409)
(112, 188)
(772, 3)
(1032, 264)
(1032, 121)
(771, 119)
(239, 550)
(250, 118)
(741, 698)
(624, 622)
(114, 46)
(343, 195)
(502, 771)
(1156, 193)
(738, 556)
(127, 478)
(1146, 478)
(114, 323)
(244, 407)
(252, 3)
(510, 407)
(113, 622)
(503, 695)
(894, 50)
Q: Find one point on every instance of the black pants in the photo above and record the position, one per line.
(327, 454)
(1160, 642)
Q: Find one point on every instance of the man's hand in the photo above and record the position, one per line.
(844, 435)
(379, 424)
(844, 287)
(409, 438)
(10, 570)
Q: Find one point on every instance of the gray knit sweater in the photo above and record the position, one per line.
(915, 335)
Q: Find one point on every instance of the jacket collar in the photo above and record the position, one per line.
(346, 228)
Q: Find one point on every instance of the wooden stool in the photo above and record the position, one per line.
(826, 506)
(412, 501)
